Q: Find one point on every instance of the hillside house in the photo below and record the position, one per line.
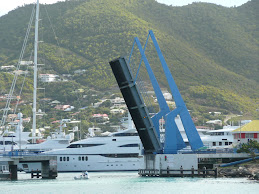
(54, 102)
(62, 107)
(11, 117)
(215, 113)
(7, 67)
(48, 77)
(117, 111)
(79, 71)
(26, 120)
(101, 117)
(215, 122)
(20, 72)
(117, 101)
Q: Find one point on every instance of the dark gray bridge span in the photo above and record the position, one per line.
(136, 105)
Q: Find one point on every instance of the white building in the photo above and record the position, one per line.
(168, 96)
(215, 122)
(117, 100)
(117, 111)
(79, 71)
(48, 77)
(7, 67)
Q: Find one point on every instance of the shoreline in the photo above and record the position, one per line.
(249, 170)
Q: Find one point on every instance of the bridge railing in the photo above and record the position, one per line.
(19, 153)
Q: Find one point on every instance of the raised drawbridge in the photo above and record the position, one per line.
(146, 125)
(157, 152)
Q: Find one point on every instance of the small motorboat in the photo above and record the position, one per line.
(83, 176)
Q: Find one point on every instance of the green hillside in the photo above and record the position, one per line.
(212, 51)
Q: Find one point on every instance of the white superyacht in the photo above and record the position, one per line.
(119, 151)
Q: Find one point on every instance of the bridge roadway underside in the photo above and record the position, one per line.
(136, 105)
(48, 164)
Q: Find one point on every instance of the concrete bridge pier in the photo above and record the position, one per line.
(49, 169)
(13, 172)
(48, 165)
(13, 169)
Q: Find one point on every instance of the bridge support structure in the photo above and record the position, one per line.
(158, 155)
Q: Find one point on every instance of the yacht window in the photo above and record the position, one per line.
(83, 158)
(79, 158)
(130, 145)
(113, 139)
(83, 145)
(230, 143)
(64, 158)
(125, 134)
(220, 143)
(86, 158)
(128, 155)
(214, 143)
(226, 143)
(67, 158)
(7, 143)
(60, 158)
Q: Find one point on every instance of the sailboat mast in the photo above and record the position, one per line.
(35, 71)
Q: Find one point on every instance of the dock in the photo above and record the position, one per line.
(48, 164)
(179, 172)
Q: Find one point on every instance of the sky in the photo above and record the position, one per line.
(8, 5)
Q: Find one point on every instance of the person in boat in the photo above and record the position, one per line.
(85, 174)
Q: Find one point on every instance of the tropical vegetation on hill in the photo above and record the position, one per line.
(212, 51)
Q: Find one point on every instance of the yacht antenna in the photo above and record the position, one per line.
(35, 71)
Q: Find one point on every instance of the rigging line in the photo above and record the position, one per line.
(62, 56)
(22, 86)
(9, 97)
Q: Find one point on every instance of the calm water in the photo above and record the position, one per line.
(127, 182)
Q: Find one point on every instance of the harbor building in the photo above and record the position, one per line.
(247, 132)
